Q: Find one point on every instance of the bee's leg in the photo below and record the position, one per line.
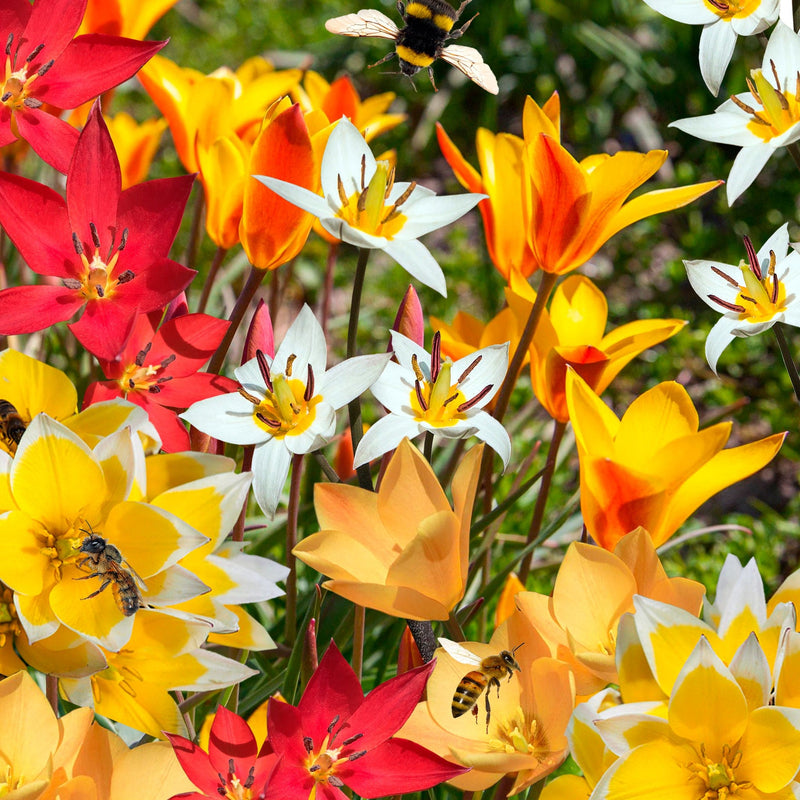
(103, 585)
(430, 75)
(401, 8)
(459, 32)
(475, 712)
(488, 711)
(383, 60)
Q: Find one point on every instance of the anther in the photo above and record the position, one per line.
(76, 243)
(142, 355)
(772, 262)
(251, 778)
(417, 371)
(436, 356)
(353, 738)
(308, 743)
(718, 4)
(361, 204)
(45, 68)
(774, 297)
(270, 423)
(32, 102)
(354, 756)
(314, 768)
(749, 299)
(752, 258)
(725, 304)
(231, 767)
(725, 277)
(363, 172)
(420, 399)
(154, 389)
(131, 383)
(221, 790)
(100, 291)
(125, 277)
(450, 399)
(475, 400)
(95, 234)
(334, 781)
(753, 90)
(333, 724)
(123, 241)
(263, 368)
(72, 283)
(168, 360)
(164, 379)
(289, 362)
(247, 396)
(35, 52)
(309, 392)
(782, 99)
(8, 43)
(471, 367)
(342, 193)
(6, 97)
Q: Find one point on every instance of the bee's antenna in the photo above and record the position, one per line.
(517, 648)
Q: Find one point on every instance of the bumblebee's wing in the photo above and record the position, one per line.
(471, 63)
(366, 22)
(459, 653)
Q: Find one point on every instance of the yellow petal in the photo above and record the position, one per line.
(771, 748)
(594, 422)
(578, 312)
(505, 604)
(397, 601)
(339, 556)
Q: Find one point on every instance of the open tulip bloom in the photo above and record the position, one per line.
(752, 296)
(761, 120)
(362, 205)
(286, 405)
(427, 393)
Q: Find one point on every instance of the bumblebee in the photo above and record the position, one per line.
(488, 673)
(105, 561)
(428, 25)
(12, 426)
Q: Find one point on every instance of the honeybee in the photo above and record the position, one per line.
(428, 25)
(12, 426)
(105, 562)
(489, 672)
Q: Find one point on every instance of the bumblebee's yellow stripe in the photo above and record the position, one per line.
(443, 22)
(418, 10)
(417, 59)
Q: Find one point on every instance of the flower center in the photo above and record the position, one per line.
(18, 84)
(98, 281)
(323, 763)
(440, 401)
(369, 209)
(9, 782)
(9, 624)
(779, 109)
(289, 405)
(763, 294)
(519, 733)
(717, 778)
(139, 377)
(728, 9)
(123, 676)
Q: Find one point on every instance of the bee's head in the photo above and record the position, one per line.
(93, 544)
(407, 68)
(509, 660)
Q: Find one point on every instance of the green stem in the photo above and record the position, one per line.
(247, 465)
(51, 692)
(291, 540)
(427, 447)
(327, 286)
(216, 263)
(326, 466)
(544, 491)
(358, 640)
(254, 279)
(788, 361)
(354, 407)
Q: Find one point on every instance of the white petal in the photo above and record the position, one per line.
(430, 213)
(415, 259)
(247, 585)
(297, 195)
(351, 378)
(418, 194)
(725, 127)
(250, 377)
(490, 371)
(761, 18)
(789, 136)
(707, 282)
(317, 435)
(716, 48)
(750, 667)
(405, 349)
(174, 585)
(783, 48)
(745, 169)
(692, 12)
(227, 417)
(393, 389)
(744, 328)
(337, 227)
(384, 436)
(306, 342)
(271, 462)
(719, 337)
(218, 672)
(489, 430)
(778, 243)
(342, 159)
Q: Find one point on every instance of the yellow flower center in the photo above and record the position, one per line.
(761, 295)
(10, 782)
(289, 405)
(9, 624)
(717, 778)
(18, 84)
(140, 378)
(519, 733)
(440, 401)
(369, 210)
(96, 282)
(728, 9)
(779, 111)
(323, 763)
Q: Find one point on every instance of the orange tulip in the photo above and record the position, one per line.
(135, 145)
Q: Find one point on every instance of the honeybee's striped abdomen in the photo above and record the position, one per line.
(467, 692)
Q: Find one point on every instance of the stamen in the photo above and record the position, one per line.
(719, 4)
(154, 389)
(6, 97)
(125, 277)
(417, 371)
(772, 262)
(43, 70)
(123, 241)
(32, 102)
(361, 205)
(35, 52)
(725, 304)
(131, 384)
(475, 400)
(308, 743)
(76, 243)
(142, 355)
(263, 368)
(750, 299)
(471, 367)
(164, 379)
(774, 296)
(247, 396)
(725, 276)
(390, 181)
(334, 781)
(167, 361)
(95, 234)
(333, 724)
(750, 110)
(231, 767)
(420, 399)
(289, 362)
(100, 291)
(251, 778)
(753, 90)
(752, 258)
(353, 738)
(354, 756)
(363, 172)
(8, 43)
(450, 399)
(342, 193)
(71, 283)
(436, 356)
(781, 97)
(271, 423)
(309, 392)
(314, 768)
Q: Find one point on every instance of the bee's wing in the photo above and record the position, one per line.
(459, 653)
(366, 22)
(136, 577)
(471, 63)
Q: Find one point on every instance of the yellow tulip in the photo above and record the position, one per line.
(135, 145)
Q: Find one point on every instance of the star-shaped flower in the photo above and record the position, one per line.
(361, 204)
(285, 405)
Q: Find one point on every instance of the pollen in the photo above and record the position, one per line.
(20, 77)
(717, 779)
(779, 106)
(141, 377)
(99, 277)
(519, 733)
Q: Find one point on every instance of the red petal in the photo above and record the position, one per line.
(173, 433)
(182, 392)
(103, 329)
(333, 690)
(231, 740)
(35, 218)
(52, 138)
(90, 65)
(144, 329)
(53, 23)
(396, 767)
(14, 15)
(260, 335)
(100, 391)
(152, 286)
(94, 184)
(195, 763)
(24, 309)
(193, 338)
(285, 730)
(386, 708)
(152, 211)
(7, 135)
